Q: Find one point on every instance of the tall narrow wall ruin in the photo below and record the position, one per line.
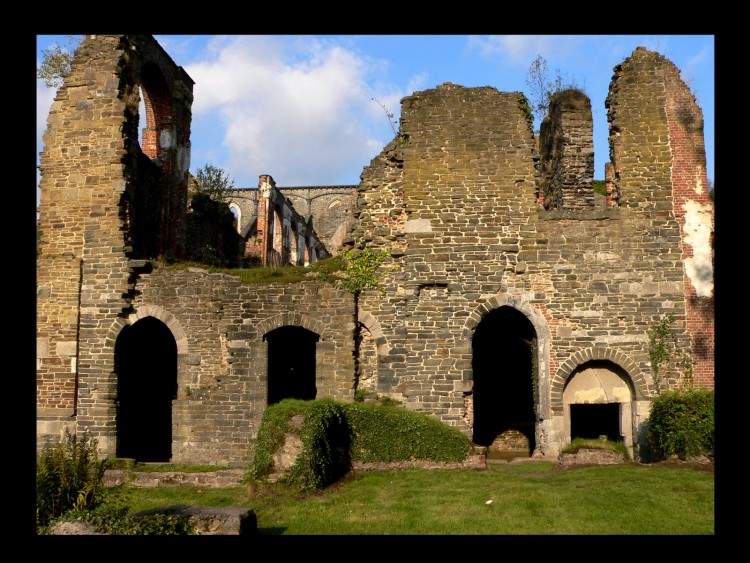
(104, 203)
(659, 167)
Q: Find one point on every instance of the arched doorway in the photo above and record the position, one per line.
(291, 364)
(504, 390)
(597, 402)
(146, 365)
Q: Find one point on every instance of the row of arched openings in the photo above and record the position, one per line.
(503, 393)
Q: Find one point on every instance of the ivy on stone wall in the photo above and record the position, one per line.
(663, 348)
(523, 103)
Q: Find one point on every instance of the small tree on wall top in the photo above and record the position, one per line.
(213, 182)
(541, 85)
(56, 61)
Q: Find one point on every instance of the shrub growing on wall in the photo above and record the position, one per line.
(681, 424)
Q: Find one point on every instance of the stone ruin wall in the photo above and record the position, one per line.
(463, 159)
(454, 197)
(89, 215)
(659, 168)
(220, 325)
(459, 216)
(330, 208)
(566, 141)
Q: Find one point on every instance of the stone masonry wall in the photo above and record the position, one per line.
(81, 267)
(453, 197)
(331, 208)
(88, 205)
(435, 196)
(282, 236)
(567, 152)
(658, 156)
(222, 362)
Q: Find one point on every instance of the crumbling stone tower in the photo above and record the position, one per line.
(107, 203)
(566, 146)
(658, 167)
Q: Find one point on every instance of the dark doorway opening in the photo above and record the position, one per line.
(146, 365)
(291, 364)
(502, 348)
(590, 421)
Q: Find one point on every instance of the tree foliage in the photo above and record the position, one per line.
(542, 85)
(213, 182)
(361, 269)
(56, 61)
(212, 236)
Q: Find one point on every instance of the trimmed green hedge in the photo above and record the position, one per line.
(392, 433)
(681, 424)
(334, 434)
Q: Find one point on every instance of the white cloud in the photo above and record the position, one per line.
(417, 82)
(296, 108)
(523, 49)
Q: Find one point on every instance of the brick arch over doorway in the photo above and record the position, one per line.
(599, 398)
(581, 357)
(167, 318)
(292, 319)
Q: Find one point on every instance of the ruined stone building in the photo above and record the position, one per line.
(291, 237)
(517, 302)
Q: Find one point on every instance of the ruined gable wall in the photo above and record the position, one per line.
(222, 374)
(89, 217)
(456, 192)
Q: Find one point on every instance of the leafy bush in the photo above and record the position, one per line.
(69, 476)
(326, 439)
(681, 424)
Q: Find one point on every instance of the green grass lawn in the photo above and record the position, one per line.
(537, 498)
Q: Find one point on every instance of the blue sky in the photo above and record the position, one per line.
(301, 108)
